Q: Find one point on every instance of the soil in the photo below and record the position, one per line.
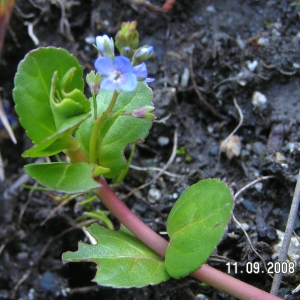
(210, 58)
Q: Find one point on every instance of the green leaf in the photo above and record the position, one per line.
(60, 140)
(64, 177)
(118, 131)
(122, 260)
(196, 225)
(49, 99)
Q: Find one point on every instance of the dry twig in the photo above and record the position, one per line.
(154, 169)
(6, 124)
(240, 225)
(287, 236)
(236, 128)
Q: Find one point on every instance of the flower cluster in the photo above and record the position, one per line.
(118, 72)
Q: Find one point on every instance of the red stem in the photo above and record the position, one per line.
(207, 274)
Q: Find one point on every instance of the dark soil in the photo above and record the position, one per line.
(207, 53)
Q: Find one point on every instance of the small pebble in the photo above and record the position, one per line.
(256, 173)
(263, 41)
(210, 129)
(178, 159)
(245, 226)
(90, 40)
(175, 79)
(31, 294)
(241, 79)
(296, 65)
(213, 149)
(140, 207)
(280, 157)
(259, 100)
(251, 65)
(245, 153)
(291, 147)
(258, 186)
(154, 195)
(259, 148)
(201, 297)
(22, 255)
(241, 43)
(211, 8)
(48, 281)
(163, 141)
(249, 205)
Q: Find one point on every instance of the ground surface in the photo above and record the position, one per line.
(207, 53)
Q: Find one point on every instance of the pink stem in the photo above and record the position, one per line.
(158, 244)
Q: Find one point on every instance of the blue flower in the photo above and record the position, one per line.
(118, 74)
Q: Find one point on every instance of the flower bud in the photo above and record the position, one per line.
(106, 46)
(142, 54)
(93, 80)
(127, 38)
(145, 112)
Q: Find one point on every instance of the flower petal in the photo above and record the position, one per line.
(100, 42)
(104, 65)
(149, 79)
(129, 82)
(140, 70)
(123, 64)
(108, 85)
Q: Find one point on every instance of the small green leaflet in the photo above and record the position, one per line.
(119, 131)
(122, 260)
(49, 99)
(66, 105)
(64, 177)
(196, 225)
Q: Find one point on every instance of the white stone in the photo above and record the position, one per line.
(251, 65)
(163, 141)
(263, 41)
(211, 8)
(90, 40)
(154, 195)
(259, 100)
(258, 186)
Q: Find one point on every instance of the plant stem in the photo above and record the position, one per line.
(76, 156)
(74, 152)
(287, 236)
(158, 244)
(95, 107)
(130, 220)
(93, 141)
